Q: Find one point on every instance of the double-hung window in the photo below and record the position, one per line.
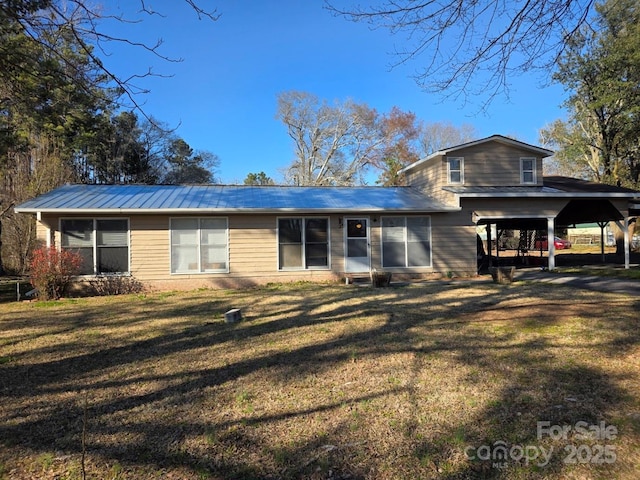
(103, 243)
(455, 170)
(406, 242)
(199, 245)
(527, 170)
(303, 243)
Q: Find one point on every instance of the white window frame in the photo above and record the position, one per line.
(532, 171)
(304, 243)
(450, 170)
(94, 244)
(199, 270)
(406, 242)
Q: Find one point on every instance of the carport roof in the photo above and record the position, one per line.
(587, 210)
(110, 199)
(553, 186)
(576, 185)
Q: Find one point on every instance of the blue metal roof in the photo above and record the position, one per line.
(229, 198)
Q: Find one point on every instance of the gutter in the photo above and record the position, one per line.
(155, 211)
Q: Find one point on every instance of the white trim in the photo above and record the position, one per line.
(551, 243)
(227, 211)
(449, 170)
(94, 245)
(533, 170)
(346, 238)
(303, 268)
(200, 271)
(476, 218)
(406, 248)
(538, 194)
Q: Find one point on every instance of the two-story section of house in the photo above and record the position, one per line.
(499, 181)
(496, 162)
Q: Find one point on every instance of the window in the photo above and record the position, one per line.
(199, 245)
(303, 243)
(528, 170)
(406, 242)
(455, 170)
(102, 243)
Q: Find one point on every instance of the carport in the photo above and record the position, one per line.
(561, 202)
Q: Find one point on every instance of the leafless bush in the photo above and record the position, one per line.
(116, 285)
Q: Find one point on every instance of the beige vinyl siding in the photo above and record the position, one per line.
(337, 244)
(253, 250)
(453, 243)
(149, 247)
(253, 246)
(486, 164)
(430, 179)
(42, 233)
(493, 164)
(514, 207)
(375, 240)
(253, 253)
(47, 229)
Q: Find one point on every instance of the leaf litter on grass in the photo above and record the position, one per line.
(324, 381)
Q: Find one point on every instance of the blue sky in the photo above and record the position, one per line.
(222, 96)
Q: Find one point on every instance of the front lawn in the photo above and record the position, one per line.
(323, 381)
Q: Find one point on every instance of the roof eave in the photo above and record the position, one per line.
(546, 195)
(245, 211)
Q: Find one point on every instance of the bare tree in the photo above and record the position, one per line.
(575, 153)
(439, 135)
(472, 47)
(333, 144)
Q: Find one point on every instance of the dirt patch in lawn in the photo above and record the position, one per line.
(430, 380)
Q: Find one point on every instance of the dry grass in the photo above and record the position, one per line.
(317, 381)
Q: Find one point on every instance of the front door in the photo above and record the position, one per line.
(357, 248)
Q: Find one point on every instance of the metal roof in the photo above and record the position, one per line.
(229, 198)
(570, 184)
(553, 186)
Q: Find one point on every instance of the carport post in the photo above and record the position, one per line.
(626, 242)
(551, 247)
(602, 225)
(489, 240)
(625, 230)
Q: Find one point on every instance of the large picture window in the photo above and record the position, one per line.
(303, 243)
(199, 245)
(406, 242)
(102, 243)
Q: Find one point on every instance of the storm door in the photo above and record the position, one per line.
(357, 245)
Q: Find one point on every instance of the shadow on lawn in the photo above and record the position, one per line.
(560, 393)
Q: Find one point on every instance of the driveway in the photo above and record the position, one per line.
(591, 282)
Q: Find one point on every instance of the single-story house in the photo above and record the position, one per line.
(179, 236)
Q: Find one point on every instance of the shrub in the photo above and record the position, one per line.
(116, 285)
(52, 270)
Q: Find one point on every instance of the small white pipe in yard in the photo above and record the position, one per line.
(18, 291)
